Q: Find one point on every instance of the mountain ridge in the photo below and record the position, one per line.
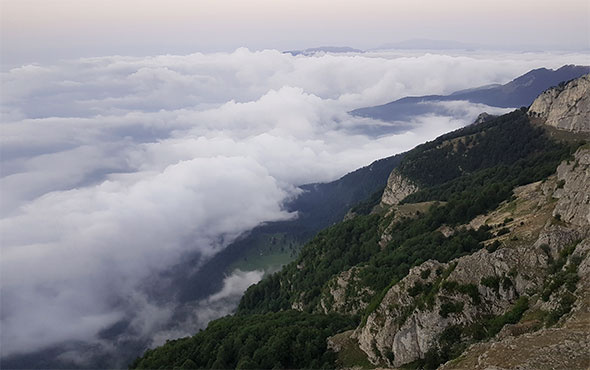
(521, 91)
(495, 249)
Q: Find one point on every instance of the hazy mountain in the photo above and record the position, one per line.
(519, 92)
(324, 49)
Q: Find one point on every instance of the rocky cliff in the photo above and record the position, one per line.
(547, 241)
(574, 190)
(345, 294)
(565, 107)
(398, 187)
(565, 345)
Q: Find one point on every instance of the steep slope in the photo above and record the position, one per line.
(270, 245)
(543, 254)
(432, 316)
(517, 93)
(564, 346)
(489, 249)
(470, 178)
(565, 107)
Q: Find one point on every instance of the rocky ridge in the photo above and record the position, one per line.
(564, 346)
(509, 286)
(398, 187)
(410, 320)
(541, 241)
(565, 107)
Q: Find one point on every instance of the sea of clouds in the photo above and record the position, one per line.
(114, 168)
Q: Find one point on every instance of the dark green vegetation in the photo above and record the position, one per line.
(268, 251)
(473, 180)
(352, 243)
(284, 340)
(475, 168)
(491, 326)
(472, 170)
(333, 250)
(468, 289)
(560, 275)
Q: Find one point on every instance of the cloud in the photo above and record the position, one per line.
(116, 168)
(236, 284)
(217, 305)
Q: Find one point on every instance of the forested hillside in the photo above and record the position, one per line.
(270, 245)
(461, 175)
(473, 178)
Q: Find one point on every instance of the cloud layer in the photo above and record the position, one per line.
(115, 168)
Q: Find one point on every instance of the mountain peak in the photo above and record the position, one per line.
(566, 106)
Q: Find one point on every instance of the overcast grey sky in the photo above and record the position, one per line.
(42, 30)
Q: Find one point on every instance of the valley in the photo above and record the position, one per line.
(479, 244)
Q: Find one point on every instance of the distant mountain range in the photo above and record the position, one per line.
(519, 92)
(324, 49)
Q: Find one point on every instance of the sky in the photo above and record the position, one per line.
(133, 134)
(42, 30)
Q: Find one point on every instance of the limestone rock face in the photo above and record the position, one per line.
(483, 117)
(402, 328)
(573, 205)
(398, 187)
(562, 347)
(345, 294)
(406, 324)
(387, 332)
(565, 107)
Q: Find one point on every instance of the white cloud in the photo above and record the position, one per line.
(236, 284)
(114, 168)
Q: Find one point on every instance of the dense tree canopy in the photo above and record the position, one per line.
(283, 340)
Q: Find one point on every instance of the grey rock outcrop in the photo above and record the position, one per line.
(400, 327)
(565, 107)
(561, 347)
(398, 187)
(573, 205)
(483, 117)
(345, 295)
(406, 324)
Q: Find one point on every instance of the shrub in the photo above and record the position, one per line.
(472, 291)
(502, 231)
(448, 308)
(492, 282)
(494, 246)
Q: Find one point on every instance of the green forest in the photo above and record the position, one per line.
(470, 171)
(282, 340)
